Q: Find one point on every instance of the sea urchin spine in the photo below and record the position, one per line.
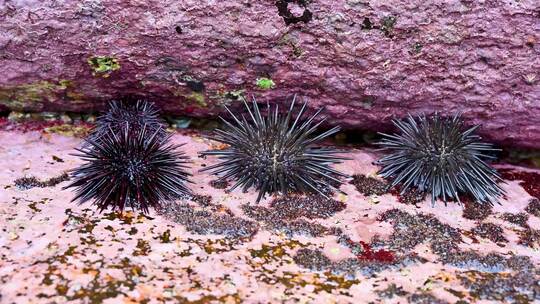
(275, 153)
(437, 155)
(137, 114)
(131, 166)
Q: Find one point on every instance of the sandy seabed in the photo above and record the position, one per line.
(366, 246)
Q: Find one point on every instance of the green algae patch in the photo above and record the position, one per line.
(22, 96)
(103, 66)
(69, 130)
(31, 95)
(265, 83)
(195, 98)
(198, 98)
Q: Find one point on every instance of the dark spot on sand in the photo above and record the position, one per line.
(492, 262)
(369, 185)
(519, 287)
(219, 184)
(520, 263)
(57, 159)
(312, 259)
(411, 197)
(289, 215)
(475, 211)
(391, 291)
(25, 183)
(411, 230)
(311, 207)
(491, 232)
(299, 227)
(529, 237)
(201, 221)
(202, 200)
(315, 259)
(533, 207)
(519, 219)
(142, 248)
(425, 298)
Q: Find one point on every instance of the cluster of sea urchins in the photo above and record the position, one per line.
(129, 161)
(274, 153)
(438, 155)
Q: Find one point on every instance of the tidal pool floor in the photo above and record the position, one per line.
(218, 247)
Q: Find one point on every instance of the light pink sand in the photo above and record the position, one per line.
(52, 250)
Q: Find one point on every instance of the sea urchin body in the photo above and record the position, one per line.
(275, 153)
(137, 114)
(437, 155)
(133, 168)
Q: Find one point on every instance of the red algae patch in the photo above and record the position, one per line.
(365, 252)
(530, 181)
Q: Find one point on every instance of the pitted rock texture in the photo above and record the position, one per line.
(365, 61)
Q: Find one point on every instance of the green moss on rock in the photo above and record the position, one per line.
(103, 65)
(265, 83)
(28, 95)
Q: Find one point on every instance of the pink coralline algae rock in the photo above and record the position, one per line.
(221, 247)
(365, 61)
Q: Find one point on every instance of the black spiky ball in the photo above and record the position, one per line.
(275, 153)
(439, 155)
(136, 113)
(128, 167)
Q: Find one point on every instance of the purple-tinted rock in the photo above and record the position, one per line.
(366, 61)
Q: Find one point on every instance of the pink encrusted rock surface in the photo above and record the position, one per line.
(52, 250)
(365, 61)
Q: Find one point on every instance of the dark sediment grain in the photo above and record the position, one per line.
(289, 215)
(490, 231)
(25, 183)
(369, 185)
(219, 184)
(533, 207)
(475, 211)
(425, 298)
(519, 219)
(207, 222)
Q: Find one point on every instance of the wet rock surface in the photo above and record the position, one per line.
(365, 61)
(221, 247)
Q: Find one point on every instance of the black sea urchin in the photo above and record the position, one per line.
(128, 167)
(438, 155)
(137, 114)
(274, 153)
